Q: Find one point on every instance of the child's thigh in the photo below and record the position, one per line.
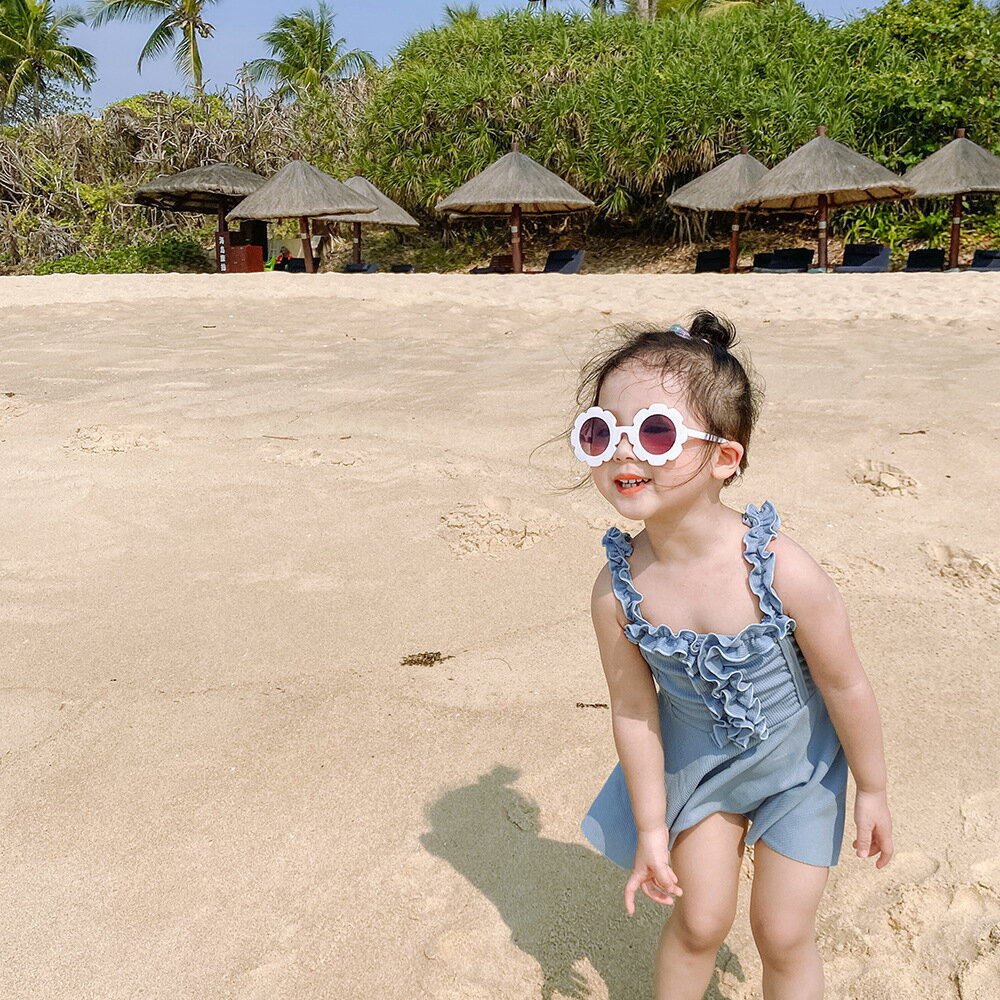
(706, 859)
(784, 898)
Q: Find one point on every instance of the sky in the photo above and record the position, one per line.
(375, 26)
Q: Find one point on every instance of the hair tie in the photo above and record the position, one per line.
(686, 334)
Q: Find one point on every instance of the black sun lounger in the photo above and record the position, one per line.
(865, 258)
(790, 260)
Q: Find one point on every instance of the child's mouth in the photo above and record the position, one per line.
(629, 486)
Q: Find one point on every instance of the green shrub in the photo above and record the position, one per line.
(169, 253)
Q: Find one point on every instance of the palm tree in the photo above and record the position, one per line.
(304, 54)
(34, 53)
(179, 23)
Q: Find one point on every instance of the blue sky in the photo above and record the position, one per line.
(377, 26)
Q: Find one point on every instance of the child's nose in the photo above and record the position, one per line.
(624, 449)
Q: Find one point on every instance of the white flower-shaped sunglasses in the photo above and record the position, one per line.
(657, 435)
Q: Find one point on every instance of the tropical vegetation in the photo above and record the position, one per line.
(625, 109)
(304, 55)
(179, 25)
(35, 55)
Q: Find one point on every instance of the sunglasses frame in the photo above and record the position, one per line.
(683, 433)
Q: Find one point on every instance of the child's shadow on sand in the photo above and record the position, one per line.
(562, 902)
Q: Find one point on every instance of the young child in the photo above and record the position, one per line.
(737, 698)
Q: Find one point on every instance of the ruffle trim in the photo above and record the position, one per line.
(712, 661)
(762, 526)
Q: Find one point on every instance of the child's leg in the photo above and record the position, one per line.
(706, 859)
(783, 905)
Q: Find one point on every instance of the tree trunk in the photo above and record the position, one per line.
(644, 9)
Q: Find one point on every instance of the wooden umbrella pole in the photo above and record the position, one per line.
(356, 252)
(307, 245)
(222, 241)
(516, 252)
(734, 244)
(823, 211)
(956, 230)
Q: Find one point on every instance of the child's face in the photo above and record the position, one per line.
(636, 489)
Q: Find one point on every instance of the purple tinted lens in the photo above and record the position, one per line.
(657, 434)
(595, 435)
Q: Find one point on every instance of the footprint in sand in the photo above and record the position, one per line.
(494, 526)
(108, 440)
(964, 570)
(9, 409)
(310, 457)
(848, 569)
(884, 479)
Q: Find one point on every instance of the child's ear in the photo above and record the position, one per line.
(727, 460)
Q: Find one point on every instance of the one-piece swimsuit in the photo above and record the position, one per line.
(745, 729)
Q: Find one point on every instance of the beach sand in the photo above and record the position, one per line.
(240, 512)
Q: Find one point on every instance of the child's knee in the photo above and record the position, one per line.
(780, 940)
(702, 928)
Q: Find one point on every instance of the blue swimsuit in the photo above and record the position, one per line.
(745, 730)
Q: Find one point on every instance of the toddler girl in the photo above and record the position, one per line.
(737, 698)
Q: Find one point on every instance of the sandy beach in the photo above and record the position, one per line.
(299, 674)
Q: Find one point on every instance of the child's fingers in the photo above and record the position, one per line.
(863, 842)
(885, 849)
(633, 883)
(657, 893)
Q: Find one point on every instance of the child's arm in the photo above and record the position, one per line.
(824, 636)
(635, 722)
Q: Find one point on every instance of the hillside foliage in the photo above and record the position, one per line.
(625, 110)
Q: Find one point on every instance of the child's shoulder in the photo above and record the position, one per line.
(797, 575)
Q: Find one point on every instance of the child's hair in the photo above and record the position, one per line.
(722, 390)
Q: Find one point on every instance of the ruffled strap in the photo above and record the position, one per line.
(763, 524)
(618, 546)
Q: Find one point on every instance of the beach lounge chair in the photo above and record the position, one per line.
(564, 262)
(365, 267)
(501, 264)
(986, 260)
(711, 261)
(403, 268)
(790, 260)
(925, 260)
(864, 258)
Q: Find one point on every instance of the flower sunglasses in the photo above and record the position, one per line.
(657, 435)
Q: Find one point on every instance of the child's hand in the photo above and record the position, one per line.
(651, 871)
(874, 824)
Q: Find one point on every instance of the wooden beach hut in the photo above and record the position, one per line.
(301, 191)
(388, 213)
(961, 167)
(513, 186)
(822, 175)
(210, 190)
(721, 189)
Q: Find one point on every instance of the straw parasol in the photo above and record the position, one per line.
(301, 191)
(203, 190)
(388, 212)
(821, 175)
(961, 167)
(215, 188)
(513, 185)
(721, 190)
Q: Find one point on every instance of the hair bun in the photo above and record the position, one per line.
(716, 330)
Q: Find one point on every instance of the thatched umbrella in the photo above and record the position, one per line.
(208, 190)
(513, 185)
(961, 167)
(721, 190)
(821, 175)
(301, 191)
(388, 213)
